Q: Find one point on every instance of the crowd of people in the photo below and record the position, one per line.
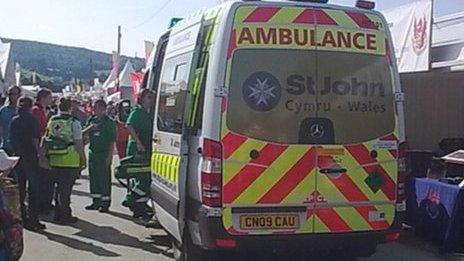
(44, 143)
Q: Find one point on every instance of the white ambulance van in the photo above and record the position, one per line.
(279, 125)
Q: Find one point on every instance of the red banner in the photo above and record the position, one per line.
(136, 80)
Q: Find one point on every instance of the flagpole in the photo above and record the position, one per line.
(118, 58)
(432, 19)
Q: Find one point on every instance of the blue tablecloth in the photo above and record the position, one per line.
(435, 209)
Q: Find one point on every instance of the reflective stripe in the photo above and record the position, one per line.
(145, 199)
(133, 170)
(105, 198)
(138, 191)
(165, 166)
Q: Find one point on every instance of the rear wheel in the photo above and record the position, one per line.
(187, 251)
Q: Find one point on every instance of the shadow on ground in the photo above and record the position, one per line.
(79, 245)
(110, 235)
(126, 217)
(269, 256)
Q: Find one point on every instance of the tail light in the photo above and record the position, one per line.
(369, 5)
(211, 174)
(402, 172)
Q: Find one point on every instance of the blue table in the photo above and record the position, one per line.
(436, 210)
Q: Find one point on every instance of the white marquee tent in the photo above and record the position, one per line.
(125, 83)
(7, 68)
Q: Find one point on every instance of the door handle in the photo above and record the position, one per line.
(333, 171)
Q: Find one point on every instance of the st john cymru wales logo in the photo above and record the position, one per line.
(261, 91)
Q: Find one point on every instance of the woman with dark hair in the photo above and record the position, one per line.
(25, 143)
(140, 127)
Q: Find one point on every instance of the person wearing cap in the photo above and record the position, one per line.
(7, 112)
(39, 111)
(65, 149)
(102, 134)
(25, 144)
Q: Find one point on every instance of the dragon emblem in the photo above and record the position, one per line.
(419, 39)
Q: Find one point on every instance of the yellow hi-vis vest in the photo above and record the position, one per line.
(59, 140)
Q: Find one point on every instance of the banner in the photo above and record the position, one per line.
(136, 79)
(4, 58)
(411, 28)
(115, 61)
(149, 46)
(18, 74)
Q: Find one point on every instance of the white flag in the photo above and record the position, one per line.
(4, 59)
(411, 28)
(18, 74)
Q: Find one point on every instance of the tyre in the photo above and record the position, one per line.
(187, 251)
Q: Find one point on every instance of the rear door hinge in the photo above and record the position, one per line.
(221, 91)
(399, 96)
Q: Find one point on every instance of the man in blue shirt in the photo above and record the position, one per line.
(7, 112)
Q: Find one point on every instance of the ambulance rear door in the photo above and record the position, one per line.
(269, 174)
(357, 122)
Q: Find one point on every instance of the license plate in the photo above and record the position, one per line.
(269, 221)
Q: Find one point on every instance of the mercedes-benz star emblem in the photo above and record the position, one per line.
(317, 131)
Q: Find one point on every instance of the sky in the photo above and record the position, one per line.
(93, 24)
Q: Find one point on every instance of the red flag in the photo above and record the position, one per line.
(136, 80)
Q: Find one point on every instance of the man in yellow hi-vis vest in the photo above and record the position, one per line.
(65, 149)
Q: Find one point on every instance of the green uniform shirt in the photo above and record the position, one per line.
(103, 136)
(142, 121)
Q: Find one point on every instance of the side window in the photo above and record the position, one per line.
(173, 93)
(203, 64)
(180, 72)
(158, 63)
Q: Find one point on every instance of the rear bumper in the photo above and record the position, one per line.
(210, 229)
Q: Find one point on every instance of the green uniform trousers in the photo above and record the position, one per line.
(100, 179)
(139, 188)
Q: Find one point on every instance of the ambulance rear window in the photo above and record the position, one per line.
(309, 97)
(173, 94)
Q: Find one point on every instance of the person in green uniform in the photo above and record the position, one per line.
(140, 127)
(102, 136)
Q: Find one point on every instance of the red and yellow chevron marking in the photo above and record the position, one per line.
(351, 190)
(285, 175)
(291, 179)
(308, 15)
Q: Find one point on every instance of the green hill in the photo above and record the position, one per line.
(57, 66)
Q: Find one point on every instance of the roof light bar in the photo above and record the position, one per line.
(365, 4)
